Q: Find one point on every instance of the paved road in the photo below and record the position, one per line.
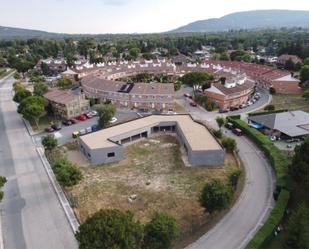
(31, 213)
(252, 208)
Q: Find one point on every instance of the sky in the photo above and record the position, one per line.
(125, 16)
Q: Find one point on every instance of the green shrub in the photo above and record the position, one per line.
(269, 108)
(267, 112)
(217, 133)
(273, 220)
(229, 144)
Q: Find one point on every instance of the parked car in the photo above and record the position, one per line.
(243, 105)
(229, 126)
(74, 121)
(82, 117)
(82, 132)
(113, 120)
(237, 131)
(193, 104)
(67, 122)
(49, 129)
(187, 95)
(89, 115)
(94, 113)
(75, 134)
(222, 110)
(234, 108)
(94, 127)
(88, 129)
(56, 127)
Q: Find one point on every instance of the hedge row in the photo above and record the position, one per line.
(274, 219)
(280, 164)
(266, 112)
(277, 159)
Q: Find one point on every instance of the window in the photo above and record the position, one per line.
(111, 154)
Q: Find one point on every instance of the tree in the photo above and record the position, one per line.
(299, 168)
(215, 196)
(304, 73)
(218, 133)
(134, 52)
(49, 142)
(67, 173)
(21, 95)
(18, 86)
(40, 89)
(272, 91)
(220, 121)
(32, 108)
(269, 108)
(64, 83)
(105, 114)
(110, 229)
(234, 177)
(297, 230)
(161, 232)
(2, 182)
(289, 65)
(306, 94)
(196, 79)
(229, 144)
(45, 69)
(224, 56)
(306, 61)
(17, 76)
(177, 85)
(201, 99)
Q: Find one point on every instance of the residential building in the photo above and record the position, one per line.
(293, 124)
(282, 59)
(67, 104)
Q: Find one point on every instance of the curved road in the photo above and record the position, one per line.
(31, 214)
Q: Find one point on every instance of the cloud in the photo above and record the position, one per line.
(116, 2)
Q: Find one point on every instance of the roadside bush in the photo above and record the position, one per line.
(67, 173)
(234, 177)
(272, 91)
(269, 108)
(215, 196)
(210, 106)
(266, 112)
(21, 95)
(161, 232)
(217, 133)
(229, 144)
(49, 142)
(273, 220)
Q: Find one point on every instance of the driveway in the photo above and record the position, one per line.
(31, 214)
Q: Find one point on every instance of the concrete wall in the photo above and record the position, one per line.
(206, 157)
(100, 156)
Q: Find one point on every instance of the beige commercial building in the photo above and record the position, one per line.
(108, 145)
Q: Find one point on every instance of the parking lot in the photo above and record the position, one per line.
(65, 134)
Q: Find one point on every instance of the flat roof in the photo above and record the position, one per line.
(197, 135)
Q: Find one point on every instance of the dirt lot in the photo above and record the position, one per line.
(290, 102)
(154, 171)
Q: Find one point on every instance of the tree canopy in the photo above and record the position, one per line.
(105, 114)
(161, 232)
(215, 196)
(195, 79)
(49, 142)
(40, 89)
(110, 229)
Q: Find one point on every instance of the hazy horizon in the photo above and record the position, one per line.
(124, 16)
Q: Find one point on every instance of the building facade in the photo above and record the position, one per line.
(67, 104)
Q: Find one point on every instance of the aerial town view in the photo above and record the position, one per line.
(130, 124)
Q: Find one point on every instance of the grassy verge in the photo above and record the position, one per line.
(280, 164)
(4, 72)
(290, 102)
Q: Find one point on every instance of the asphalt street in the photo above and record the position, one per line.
(31, 214)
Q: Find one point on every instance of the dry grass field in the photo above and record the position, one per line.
(290, 102)
(153, 170)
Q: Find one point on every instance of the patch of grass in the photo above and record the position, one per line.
(44, 122)
(154, 171)
(4, 72)
(290, 102)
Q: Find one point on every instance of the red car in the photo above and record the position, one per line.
(82, 117)
(88, 115)
(193, 104)
(49, 129)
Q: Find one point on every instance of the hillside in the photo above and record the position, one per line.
(8, 33)
(258, 19)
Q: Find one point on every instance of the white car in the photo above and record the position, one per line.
(113, 120)
(94, 113)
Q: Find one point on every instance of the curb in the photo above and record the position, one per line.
(69, 213)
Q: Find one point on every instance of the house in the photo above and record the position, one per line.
(233, 93)
(293, 124)
(106, 146)
(67, 104)
(282, 59)
(69, 74)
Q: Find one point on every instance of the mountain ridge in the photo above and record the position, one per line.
(255, 19)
